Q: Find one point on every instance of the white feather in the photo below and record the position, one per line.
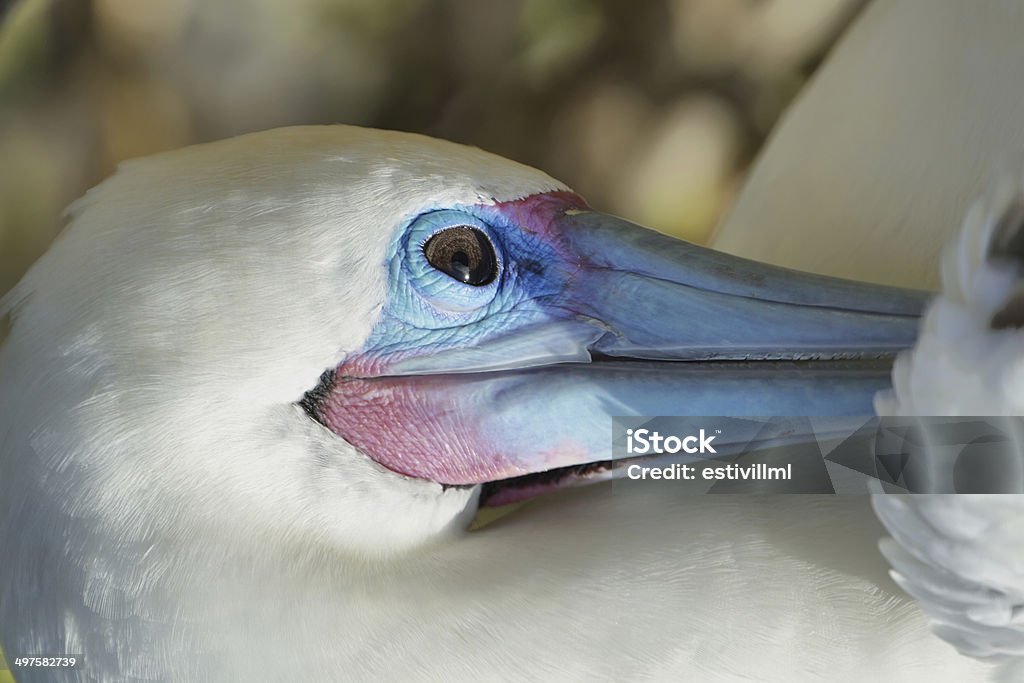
(962, 556)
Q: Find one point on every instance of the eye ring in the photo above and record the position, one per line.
(463, 253)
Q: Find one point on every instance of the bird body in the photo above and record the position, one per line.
(172, 513)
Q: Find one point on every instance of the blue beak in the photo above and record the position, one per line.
(665, 299)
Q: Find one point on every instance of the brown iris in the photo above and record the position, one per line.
(463, 253)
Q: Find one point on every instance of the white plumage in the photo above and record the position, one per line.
(962, 556)
(963, 364)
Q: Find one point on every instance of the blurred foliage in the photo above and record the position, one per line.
(651, 109)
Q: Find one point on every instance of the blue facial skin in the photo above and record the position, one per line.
(587, 284)
(517, 320)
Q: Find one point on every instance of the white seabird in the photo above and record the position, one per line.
(173, 508)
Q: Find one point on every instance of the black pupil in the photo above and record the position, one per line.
(463, 253)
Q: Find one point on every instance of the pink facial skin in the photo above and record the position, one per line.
(451, 429)
(539, 213)
(407, 426)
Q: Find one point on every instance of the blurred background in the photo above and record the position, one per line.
(652, 110)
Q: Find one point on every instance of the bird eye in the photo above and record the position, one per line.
(463, 253)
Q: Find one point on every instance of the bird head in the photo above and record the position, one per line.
(359, 336)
